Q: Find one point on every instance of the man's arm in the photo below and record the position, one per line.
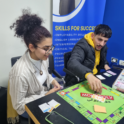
(106, 67)
(106, 64)
(75, 62)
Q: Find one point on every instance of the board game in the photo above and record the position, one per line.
(119, 83)
(114, 103)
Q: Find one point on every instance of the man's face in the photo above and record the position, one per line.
(99, 41)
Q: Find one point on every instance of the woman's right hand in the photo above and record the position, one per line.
(52, 90)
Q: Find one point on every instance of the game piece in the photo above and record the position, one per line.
(61, 87)
(99, 109)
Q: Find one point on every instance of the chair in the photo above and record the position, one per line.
(51, 66)
(52, 69)
(66, 58)
(22, 120)
(14, 59)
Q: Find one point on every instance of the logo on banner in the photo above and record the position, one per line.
(65, 18)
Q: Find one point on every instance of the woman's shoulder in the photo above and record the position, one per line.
(20, 67)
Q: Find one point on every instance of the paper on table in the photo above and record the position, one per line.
(54, 103)
(44, 107)
(110, 72)
(107, 74)
(100, 77)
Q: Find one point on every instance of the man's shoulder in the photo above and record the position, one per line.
(82, 42)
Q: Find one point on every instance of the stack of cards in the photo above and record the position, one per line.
(107, 74)
(48, 107)
(54, 104)
(99, 109)
(100, 77)
(45, 107)
(112, 73)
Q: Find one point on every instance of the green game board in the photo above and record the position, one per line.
(84, 105)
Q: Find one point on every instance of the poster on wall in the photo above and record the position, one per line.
(72, 19)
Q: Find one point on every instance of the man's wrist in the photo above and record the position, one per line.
(87, 75)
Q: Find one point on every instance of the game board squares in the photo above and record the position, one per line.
(89, 112)
(120, 108)
(105, 120)
(120, 112)
(86, 114)
(67, 92)
(62, 93)
(112, 115)
(99, 109)
(99, 120)
(75, 88)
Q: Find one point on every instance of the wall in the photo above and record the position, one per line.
(114, 17)
(11, 46)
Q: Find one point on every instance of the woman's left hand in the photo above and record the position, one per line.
(56, 84)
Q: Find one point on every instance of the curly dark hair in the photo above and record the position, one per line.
(28, 27)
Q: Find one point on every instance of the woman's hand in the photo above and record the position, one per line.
(56, 84)
(52, 91)
(56, 87)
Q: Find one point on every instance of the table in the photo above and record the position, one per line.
(65, 109)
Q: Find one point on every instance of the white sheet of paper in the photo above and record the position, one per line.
(110, 72)
(107, 74)
(54, 103)
(100, 77)
(44, 107)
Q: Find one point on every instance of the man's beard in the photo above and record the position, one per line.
(98, 50)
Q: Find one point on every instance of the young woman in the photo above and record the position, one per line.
(29, 75)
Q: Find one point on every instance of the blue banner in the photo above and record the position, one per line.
(72, 19)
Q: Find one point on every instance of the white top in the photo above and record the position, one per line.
(37, 66)
(24, 86)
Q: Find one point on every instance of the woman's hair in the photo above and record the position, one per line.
(29, 28)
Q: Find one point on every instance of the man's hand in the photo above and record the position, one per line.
(106, 67)
(94, 83)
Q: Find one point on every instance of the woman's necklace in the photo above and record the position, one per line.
(41, 72)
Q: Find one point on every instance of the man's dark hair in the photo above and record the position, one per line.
(103, 30)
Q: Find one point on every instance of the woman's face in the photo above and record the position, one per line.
(42, 51)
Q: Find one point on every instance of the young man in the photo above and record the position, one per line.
(89, 56)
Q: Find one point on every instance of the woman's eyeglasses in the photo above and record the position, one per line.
(47, 50)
